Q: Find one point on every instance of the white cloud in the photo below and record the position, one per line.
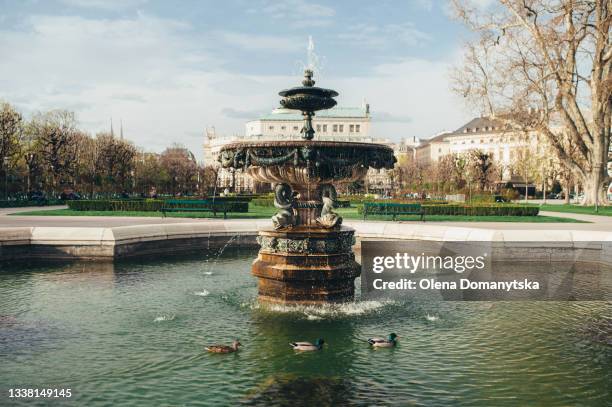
(294, 13)
(378, 36)
(481, 3)
(297, 9)
(414, 89)
(167, 85)
(105, 4)
(426, 4)
(260, 42)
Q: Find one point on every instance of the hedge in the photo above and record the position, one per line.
(24, 203)
(269, 202)
(149, 205)
(467, 210)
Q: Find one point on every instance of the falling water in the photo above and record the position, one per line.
(313, 62)
(313, 58)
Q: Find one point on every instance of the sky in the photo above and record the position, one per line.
(168, 70)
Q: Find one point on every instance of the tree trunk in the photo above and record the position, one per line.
(594, 189)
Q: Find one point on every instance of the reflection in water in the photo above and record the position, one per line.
(288, 390)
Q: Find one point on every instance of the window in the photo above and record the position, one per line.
(472, 141)
(325, 128)
(490, 140)
(481, 141)
(271, 128)
(439, 150)
(335, 128)
(351, 128)
(283, 127)
(318, 127)
(357, 126)
(295, 128)
(341, 128)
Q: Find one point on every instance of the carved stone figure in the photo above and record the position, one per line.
(328, 218)
(285, 202)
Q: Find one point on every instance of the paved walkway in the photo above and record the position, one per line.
(599, 223)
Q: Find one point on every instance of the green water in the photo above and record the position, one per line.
(133, 333)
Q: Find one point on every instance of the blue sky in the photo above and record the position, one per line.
(170, 69)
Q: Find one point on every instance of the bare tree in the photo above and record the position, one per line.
(482, 168)
(208, 178)
(115, 162)
(54, 133)
(11, 131)
(181, 166)
(545, 65)
(527, 165)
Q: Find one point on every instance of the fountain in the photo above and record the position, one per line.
(306, 258)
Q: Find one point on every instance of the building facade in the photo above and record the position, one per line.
(486, 134)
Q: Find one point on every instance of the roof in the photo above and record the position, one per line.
(336, 112)
(480, 125)
(440, 137)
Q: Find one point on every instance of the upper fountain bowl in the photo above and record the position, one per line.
(304, 164)
(308, 98)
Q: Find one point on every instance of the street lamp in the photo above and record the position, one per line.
(5, 163)
(29, 160)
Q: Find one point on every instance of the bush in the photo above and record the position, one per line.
(266, 202)
(462, 210)
(24, 203)
(481, 210)
(149, 205)
(269, 202)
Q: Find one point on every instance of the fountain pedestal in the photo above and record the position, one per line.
(306, 265)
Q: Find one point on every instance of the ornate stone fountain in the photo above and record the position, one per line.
(306, 258)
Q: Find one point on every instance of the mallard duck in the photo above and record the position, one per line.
(307, 346)
(390, 342)
(224, 348)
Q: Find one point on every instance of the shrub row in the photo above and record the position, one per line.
(464, 210)
(149, 205)
(269, 202)
(23, 203)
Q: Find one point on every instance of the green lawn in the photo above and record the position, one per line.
(586, 210)
(260, 212)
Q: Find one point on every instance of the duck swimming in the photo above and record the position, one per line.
(307, 346)
(390, 342)
(224, 348)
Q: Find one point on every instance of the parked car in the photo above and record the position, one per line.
(500, 199)
(38, 197)
(70, 196)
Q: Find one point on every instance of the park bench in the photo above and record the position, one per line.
(200, 205)
(391, 208)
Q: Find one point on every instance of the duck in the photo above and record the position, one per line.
(224, 348)
(390, 342)
(307, 346)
